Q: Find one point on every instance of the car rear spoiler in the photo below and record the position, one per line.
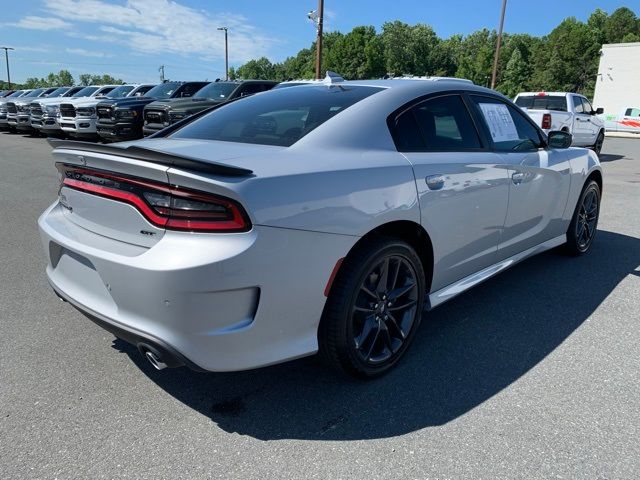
(153, 156)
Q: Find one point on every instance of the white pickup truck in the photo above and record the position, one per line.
(569, 112)
(627, 120)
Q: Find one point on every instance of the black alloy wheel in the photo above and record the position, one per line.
(584, 223)
(374, 308)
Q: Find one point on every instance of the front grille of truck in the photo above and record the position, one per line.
(156, 117)
(36, 110)
(105, 114)
(67, 110)
(11, 108)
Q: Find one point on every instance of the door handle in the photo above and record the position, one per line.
(517, 178)
(435, 182)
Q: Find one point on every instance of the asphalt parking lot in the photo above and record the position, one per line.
(534, 374)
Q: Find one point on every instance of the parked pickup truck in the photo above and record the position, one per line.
(4, 122)
(568, 112)
(161, 114)
(627, 120)
(82, 122)
(44, 111)
(122, 119)
(18, 109)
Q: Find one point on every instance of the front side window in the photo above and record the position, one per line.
(587, 106)
(164, 90)
(441, 123)
(632, 112)
(508, 127)
(85, 92)
(577, 104)
(120, 92)
(58, 92)
(216, 90)
(279, 118)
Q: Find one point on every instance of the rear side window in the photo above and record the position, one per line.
(441, 123)
(507, 126)
(557, 103)
(632, 112)
(279, 117)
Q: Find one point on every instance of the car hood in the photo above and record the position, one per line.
(127, 101)
(80, 100)
(184, 103)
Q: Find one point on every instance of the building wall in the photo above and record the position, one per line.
(618, 81)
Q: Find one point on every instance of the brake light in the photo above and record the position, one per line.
(542, 94)
(166, 206)
(546, 121)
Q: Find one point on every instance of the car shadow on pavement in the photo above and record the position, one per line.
(609, 157)
(466, 351)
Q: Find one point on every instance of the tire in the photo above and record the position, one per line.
(597, 147)
(584, 224)
(362, 332)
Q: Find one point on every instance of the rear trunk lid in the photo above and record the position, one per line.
(117, 191)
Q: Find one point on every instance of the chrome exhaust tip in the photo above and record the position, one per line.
(154, 360)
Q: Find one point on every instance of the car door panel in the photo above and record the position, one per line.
(463, 204)
(462, 187)
(539, 180)
(538, 194)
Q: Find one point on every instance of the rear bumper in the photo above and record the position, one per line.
(219, 302)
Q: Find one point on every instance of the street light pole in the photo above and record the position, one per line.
(319, 40)
(494, 74)
(6, 56)
(226, 52)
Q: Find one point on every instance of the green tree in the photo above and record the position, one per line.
(351, 55)
(620, 23)
(85, 79)
(516, 75)
(475, 60)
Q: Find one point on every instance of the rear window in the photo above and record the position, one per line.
(279, 117)
(543, 102)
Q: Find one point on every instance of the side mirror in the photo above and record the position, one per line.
(559, 139)
(599, 111)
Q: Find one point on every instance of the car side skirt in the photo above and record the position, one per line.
(451, 291)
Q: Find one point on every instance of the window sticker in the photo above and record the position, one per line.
(499, 121)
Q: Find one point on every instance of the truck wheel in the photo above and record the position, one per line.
(597, 147)
(374, 308)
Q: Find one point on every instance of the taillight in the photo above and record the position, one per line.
(546, 121)
(166, 206)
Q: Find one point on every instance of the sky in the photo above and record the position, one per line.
(130, 39)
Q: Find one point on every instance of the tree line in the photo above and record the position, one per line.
(64, 78)
(564, 60)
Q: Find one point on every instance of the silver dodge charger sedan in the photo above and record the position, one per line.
(318, 218)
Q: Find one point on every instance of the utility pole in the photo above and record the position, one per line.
(319, 40)
(6, 56)
(161, 70)
(226, 52)
(494, 75)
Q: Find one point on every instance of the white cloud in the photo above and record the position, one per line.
(41, 23)
(164, 26)
(88, 53)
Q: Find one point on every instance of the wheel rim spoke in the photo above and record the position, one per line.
(399, 292)
(404, 306)
(392, 321)
(370, 324)
(384, 277)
